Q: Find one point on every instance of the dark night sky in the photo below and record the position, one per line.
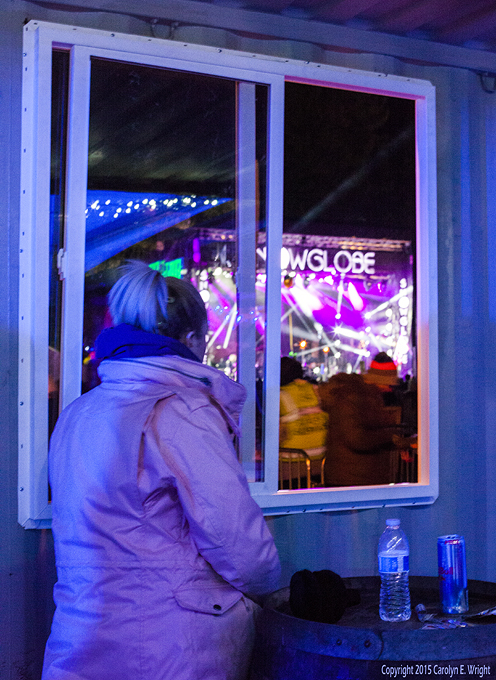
(349, 163)
(349, 156)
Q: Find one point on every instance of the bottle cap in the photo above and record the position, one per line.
(393, 522)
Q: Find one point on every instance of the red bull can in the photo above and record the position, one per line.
(452, 571)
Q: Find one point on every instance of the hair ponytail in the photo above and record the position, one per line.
(143, 298)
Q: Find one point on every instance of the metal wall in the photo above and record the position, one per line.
(342, 541)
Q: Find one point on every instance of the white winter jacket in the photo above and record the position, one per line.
(159, 545)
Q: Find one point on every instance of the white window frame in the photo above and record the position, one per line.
(39, 40)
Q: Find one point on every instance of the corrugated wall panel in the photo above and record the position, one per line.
(342, 541)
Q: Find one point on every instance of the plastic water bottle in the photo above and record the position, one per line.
(393, 557)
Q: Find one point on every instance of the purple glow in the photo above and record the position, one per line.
(354, 298)
(196, 251)
(351, 299)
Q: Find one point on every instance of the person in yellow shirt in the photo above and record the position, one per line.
(302, 423)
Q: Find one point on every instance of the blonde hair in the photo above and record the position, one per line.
(143, 298)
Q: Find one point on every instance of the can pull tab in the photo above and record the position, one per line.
(422, 614)
(61, 264)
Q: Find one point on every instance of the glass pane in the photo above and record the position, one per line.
(163, 186)
(348, 288)
(261, 275)
(60, 79)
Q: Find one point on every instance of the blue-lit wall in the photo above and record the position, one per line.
(343, 541)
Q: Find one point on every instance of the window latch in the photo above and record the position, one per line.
(61, 264)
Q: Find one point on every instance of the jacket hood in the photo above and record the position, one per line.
(174, 374)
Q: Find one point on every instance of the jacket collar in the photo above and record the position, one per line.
(175, 372)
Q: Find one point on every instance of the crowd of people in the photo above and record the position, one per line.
(365, 420)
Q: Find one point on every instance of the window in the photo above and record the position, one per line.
(178, 155)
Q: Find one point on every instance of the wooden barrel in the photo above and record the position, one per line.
(362, 647)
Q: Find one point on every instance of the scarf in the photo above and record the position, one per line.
(128, 342)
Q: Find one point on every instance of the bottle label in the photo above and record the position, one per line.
(389, 564)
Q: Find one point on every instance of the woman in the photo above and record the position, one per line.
(160, 548)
